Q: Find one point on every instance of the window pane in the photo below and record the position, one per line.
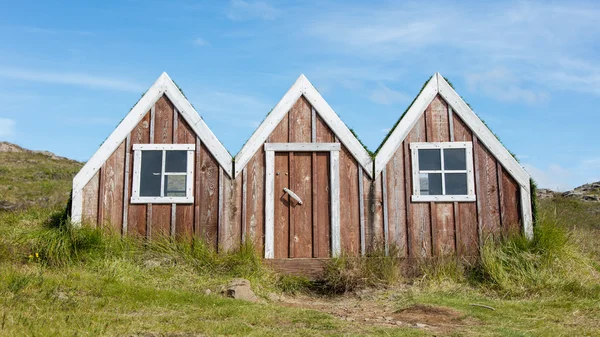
(176, 161)
(431, 183)
(455, 159)
(456, 183)
(150, 175)
(429, 159)
(175, 186)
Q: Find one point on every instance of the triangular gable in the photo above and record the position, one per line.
(163, 85)
(303, 87)
(438, 85)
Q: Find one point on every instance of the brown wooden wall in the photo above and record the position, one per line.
(213, 216)
(296, 127)
(426, 229)
(228, 211)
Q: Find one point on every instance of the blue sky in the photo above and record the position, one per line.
(70, 71)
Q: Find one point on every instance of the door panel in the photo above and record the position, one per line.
(298, 231)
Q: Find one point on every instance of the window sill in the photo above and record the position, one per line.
(162, 200)
(443, 198)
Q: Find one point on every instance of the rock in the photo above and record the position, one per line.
(591, 198)
(273, 297)
(398, 323)
(239, 289)
(152, 263)
(207, 292)
(544, 193)
(388, 318)
(420, 325)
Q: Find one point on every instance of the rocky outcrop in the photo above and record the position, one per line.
(240, 289)
(587, 192)
(14, 148)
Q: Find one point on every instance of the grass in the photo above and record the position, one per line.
(35, 179)
(59, 281)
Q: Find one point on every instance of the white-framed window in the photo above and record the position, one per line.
(443, 171)
(163, 173)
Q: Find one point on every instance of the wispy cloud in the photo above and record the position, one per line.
(501, 84)
(560, 178)
(7, 127)
(521, 36)
(241, 10)
(200, 42)
(78, 79)
(54, 31)
(386, 96)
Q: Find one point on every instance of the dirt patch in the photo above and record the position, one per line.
(381, 309)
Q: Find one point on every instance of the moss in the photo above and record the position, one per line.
(371, 153)
(534, 201)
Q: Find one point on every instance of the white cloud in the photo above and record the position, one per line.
(554, 177)
(547, 45)
(200, 42)
(71, 79)
(54, 31)
(385, 130)
(7, 127)
(241, 10)
(501, 84)
(386, 96)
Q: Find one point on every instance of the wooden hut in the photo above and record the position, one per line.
(303, 188)
(305, 177)
(448, 182)
(161, 172)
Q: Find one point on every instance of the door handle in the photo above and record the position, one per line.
(293, 195)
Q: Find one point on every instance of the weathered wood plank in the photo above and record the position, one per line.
(488, 192)
(197, 189)
(396, 200)
(301, 181)
(232, 212)
(163, 134)
(90, 201)
(467, 235)
(126, 184)
(184, 224)
(255, 195)
(510, 205)
(112, 199)
(334, 178)
(137, 213)
(300, 124)
(209, 197)
(349, 203)
(361, 212)
(269, 204)
(420, 219)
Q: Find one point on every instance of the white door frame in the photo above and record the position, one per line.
(334, 190)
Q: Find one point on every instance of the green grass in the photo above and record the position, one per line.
(35, 179)
(85, 282)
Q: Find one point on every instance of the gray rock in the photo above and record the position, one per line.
(273, 297)
(240, 289)
(207, 292)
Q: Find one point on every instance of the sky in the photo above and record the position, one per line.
(71, 70)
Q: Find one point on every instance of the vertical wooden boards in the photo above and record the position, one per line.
(232, 213)
(419, 224)
(113, 172)
(467, 235)
(90, 201)
(301, 180)
(442, 213)
(208, 174)
(349, 217)
(197, 197)
(396, 201)
(126, 184)
(255, 198)
(282, 205)
(321, 184)
(510, 204)
(487, 191)
(300, 125)
(184, 215)
(136, 215)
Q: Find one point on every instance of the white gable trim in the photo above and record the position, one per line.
(163, 85)
(303, 87)
(437, 84)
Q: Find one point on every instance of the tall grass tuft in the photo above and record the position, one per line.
(548, 264)
(347, 273)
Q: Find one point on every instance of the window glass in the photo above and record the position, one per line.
(150, 173)
(456, 183)
(431, 183)
(175, 185)
(176, 161)
(455, 159)
(429, 159)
